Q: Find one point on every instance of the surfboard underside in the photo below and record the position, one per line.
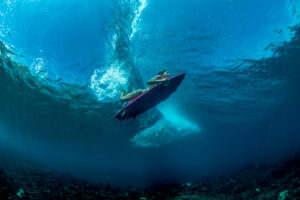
(150, 98)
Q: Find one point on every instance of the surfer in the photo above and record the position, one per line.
(161, 77)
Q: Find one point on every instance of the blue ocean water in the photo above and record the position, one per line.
(63, 64)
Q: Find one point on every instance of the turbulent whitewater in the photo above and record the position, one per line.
(63, 64)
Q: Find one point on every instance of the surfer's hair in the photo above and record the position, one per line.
(162, 72)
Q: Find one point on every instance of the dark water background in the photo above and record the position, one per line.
(63, 64)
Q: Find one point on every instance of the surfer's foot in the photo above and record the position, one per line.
(122, 92)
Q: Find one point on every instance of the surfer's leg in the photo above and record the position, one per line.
(145, 90)
(134, 94)
(122, 92)
(130, 95)
(123, 96)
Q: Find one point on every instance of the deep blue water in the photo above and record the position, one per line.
(63, 64)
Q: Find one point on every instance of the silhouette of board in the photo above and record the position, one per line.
(150, 98)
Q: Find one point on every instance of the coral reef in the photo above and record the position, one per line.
(281, 181)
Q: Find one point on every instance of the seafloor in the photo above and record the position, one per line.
(280, 181)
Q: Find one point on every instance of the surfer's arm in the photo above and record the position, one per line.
(155, 80)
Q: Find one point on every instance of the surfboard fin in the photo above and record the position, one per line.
(123, 114)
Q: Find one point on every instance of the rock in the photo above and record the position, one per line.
(190, 197)
(204, 189)
(188, 184)
(283, 195)
(66, 189)
(20, 193)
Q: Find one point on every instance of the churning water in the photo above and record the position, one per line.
(63, 64)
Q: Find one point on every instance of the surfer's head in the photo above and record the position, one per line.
(163, 73)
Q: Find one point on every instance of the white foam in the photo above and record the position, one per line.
(168, 129)
(138, 12)
(37, 68)
(106, 83)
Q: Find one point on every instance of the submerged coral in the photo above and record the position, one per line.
(280, 181)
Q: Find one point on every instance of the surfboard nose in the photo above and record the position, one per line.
(183, 75)
(179, 78)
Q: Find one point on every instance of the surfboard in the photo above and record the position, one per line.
(150, 98)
